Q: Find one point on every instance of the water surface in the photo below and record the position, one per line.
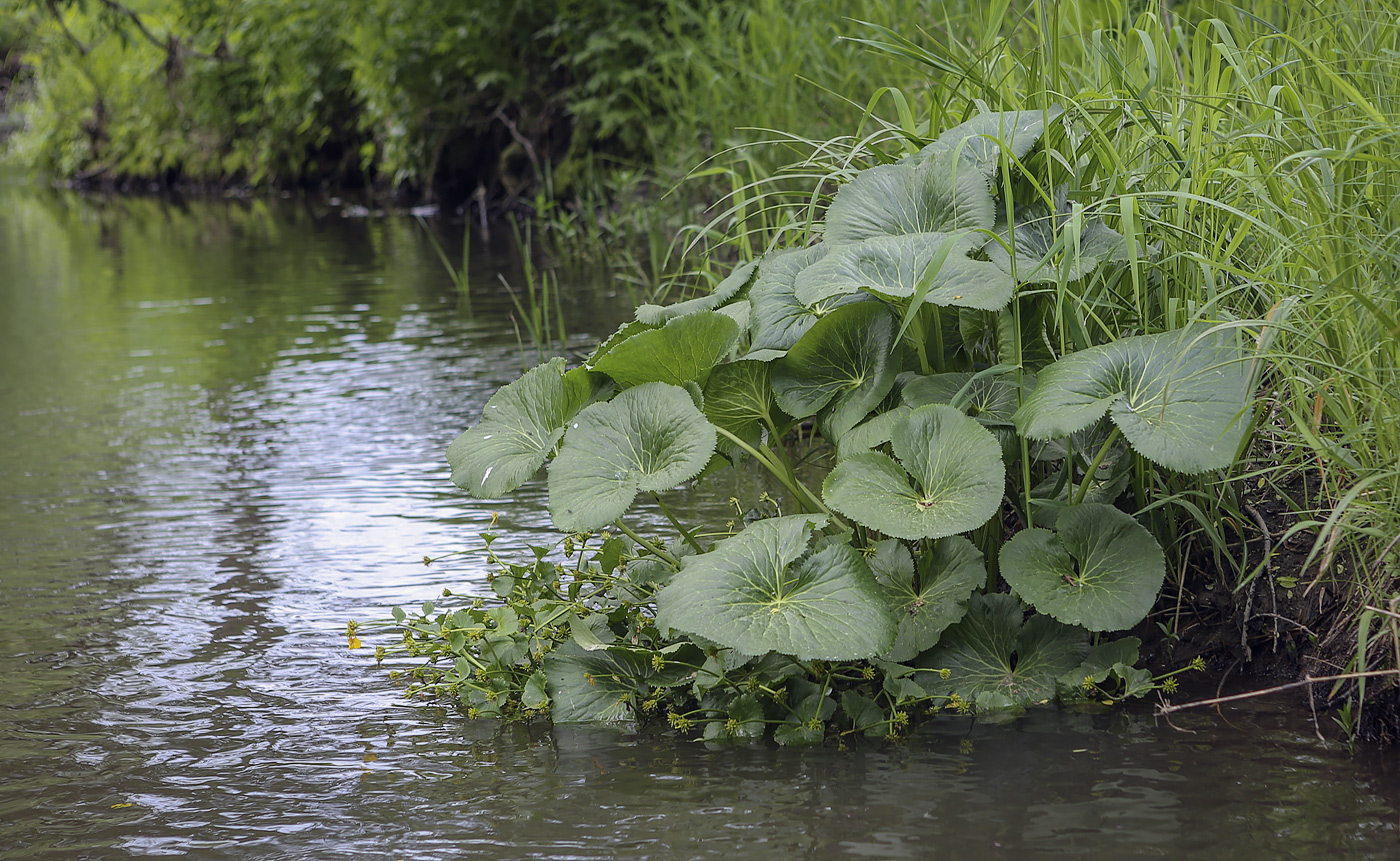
(221, 436)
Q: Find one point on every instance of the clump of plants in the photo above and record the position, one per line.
(963, 414)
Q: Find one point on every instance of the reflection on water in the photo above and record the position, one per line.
(221, 436)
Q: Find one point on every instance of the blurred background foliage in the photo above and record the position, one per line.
(427, 100)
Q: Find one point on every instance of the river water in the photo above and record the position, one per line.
(221, 437)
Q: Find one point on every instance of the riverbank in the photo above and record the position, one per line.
(1249, 151)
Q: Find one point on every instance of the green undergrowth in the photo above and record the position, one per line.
(1251, 148)
(964, 413)
(1187, 211)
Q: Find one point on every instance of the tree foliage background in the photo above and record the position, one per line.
(417, 95)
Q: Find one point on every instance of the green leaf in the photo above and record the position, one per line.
(958, 477)
(845, 362)
(938, 193)
(777, 318)
(739, 398)
(648, 438)
(726, 290)
(535, 694)
(1100, 568)
(864, 714)
(811, 708)
(602, 685)
(894, 266)
(981, 138)
(744, 721)
(1047, 252)
(1181, 398)
(990, 399)
(760, 591)
(1099, 663)
(994, 659)
(874, 431)
(624, 332)
(948, 575)
(685, 349)
(519, 427)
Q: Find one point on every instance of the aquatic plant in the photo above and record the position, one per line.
(941, 458)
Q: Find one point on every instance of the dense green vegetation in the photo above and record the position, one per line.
(506, 95)
(1254, 172)
(913, 338)
(1247, 150)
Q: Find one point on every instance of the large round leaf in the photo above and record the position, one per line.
(1100, 568)
(938, 193)
(981, 138)
(845, 362)
(1181, 398)
(685, 349)
(937, 598)
(895, 266)
(777, 318)
(995, 661)
(725, 291)
(957, 470)
(648, 438)
(1051, 245)
(739, 399)
(990, 399)
(519, 427)
(758, 592)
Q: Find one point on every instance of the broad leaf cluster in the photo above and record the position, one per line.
(953, 401)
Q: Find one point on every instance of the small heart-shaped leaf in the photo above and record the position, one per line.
(937, 193)
(844, 362)
(981, 139)
(995, 660)
(683, 350)
(778, 320)
(958, 477)
(895, 266)
(648, 438)
(1099, 568)
(947, 577)
(519, 427)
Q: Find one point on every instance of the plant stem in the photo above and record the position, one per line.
(685, 533)
(646, 545)
(784, 473)
(1094, 467)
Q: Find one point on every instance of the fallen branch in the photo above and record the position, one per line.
(1308, 680)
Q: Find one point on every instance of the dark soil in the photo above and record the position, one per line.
(1296, 619)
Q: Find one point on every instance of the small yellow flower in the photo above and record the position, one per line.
(1170, 685)
(679, 722)
(355, 642)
